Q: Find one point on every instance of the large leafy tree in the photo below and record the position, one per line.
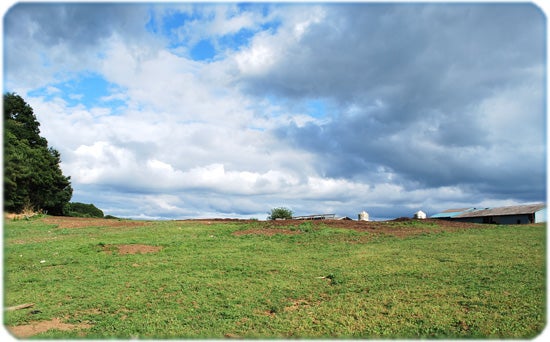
(32, 176)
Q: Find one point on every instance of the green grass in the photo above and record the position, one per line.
(324, 282)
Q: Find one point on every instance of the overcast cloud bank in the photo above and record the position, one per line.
(228, 110)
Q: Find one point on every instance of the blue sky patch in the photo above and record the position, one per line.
(89, 89)
(170, 26)
(203, 51)
(316, 108)
(237, 40)
(173, 21)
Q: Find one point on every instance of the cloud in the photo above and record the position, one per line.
(62, 40)
(440, 95)
(270, 48)
(388, 108)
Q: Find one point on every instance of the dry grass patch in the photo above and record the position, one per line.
(297, 304)
(131, 249)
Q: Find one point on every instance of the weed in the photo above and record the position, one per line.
(305, 227)
(334, 280)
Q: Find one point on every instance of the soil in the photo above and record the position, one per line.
(82, 222)
(28, 330)
(400, 227)
(131, 249)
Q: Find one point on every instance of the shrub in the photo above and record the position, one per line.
(280, 213)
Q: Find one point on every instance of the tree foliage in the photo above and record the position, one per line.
(280, 213)
(77, 209)
(32, 176)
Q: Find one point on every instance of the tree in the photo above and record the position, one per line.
(280, 213)
(77, 209)
(19, 119)
(32, 176)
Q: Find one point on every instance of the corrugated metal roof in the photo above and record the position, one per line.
(315, 217)
(456, 210)
(511, 210)
(452, 212)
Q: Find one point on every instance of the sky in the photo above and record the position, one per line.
(184, 110)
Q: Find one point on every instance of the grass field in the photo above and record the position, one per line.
(253, 279)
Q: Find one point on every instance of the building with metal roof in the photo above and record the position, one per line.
(450, 213)
(315, 217)
(518, 214)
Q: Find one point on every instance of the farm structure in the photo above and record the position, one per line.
(321, 217)
(452, 213)
(518, 214)
(420, 215)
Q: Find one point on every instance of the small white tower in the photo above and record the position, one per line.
(363, 216)
(420, 215)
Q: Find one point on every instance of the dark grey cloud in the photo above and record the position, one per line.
(420, 79)
(45, 40)
(80, 25)
(369, 51)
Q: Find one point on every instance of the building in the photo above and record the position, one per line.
(363, 216)
(518, 214)
(420, 215)
(451, 213)
(343, 218)
(316, 217)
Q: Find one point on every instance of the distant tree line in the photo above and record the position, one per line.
(78, 209)
(33, 180)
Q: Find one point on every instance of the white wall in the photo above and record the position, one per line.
(540, 216)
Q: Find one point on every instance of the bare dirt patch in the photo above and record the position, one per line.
(28, 330)
(131, 249)
(82, 222)
(401, 227)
